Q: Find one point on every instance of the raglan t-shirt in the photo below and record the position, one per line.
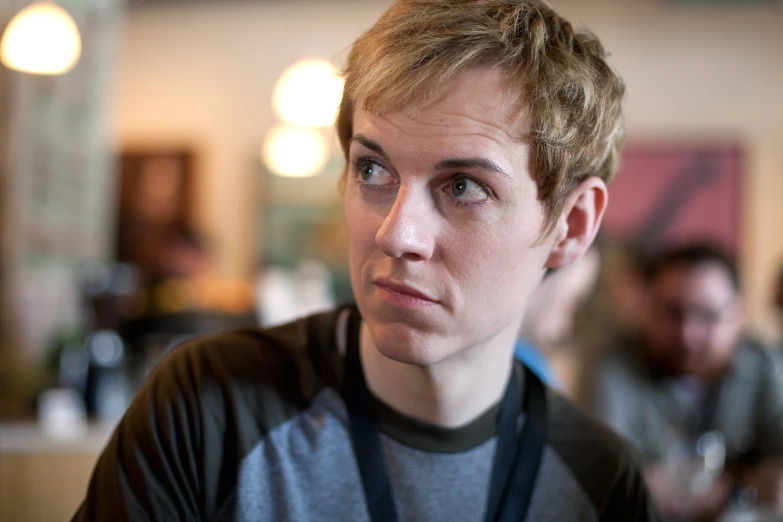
(251, 426)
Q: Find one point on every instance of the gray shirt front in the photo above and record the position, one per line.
(251, 426)
(305, 470)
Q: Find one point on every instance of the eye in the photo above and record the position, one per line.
(466, 190)
(371, 172)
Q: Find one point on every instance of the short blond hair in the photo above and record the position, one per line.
(558, 75)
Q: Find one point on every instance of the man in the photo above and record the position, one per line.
(690, 372)
(479, 137)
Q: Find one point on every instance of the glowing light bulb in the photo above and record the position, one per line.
(308, 94)
(295, 152)
(41, 39)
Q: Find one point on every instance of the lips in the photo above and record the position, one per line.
(402, 289)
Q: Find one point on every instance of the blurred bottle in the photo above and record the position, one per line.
(61, 413)
(107, 391)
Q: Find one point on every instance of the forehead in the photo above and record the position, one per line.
(706, 282)
(476, 102)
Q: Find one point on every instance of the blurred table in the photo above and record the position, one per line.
(43, 478)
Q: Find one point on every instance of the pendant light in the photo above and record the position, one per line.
(308, 94)
(41, 39)
(295, 152)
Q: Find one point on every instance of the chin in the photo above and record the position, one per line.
(403, 344)
(409, 355)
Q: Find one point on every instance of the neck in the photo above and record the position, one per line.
(450, 393)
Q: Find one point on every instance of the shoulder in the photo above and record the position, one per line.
(201, 410)
(273, 372)
(757, 366)
(584, 442)
(753, 352)
(603, 464)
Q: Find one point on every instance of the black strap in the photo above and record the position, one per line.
(517, 458)
(527, 451)
(364, 431)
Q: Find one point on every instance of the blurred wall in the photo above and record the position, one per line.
(203, 73)
(57, 184)
(708, 74)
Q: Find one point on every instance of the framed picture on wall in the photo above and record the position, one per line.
(674, 193)
(156, 195)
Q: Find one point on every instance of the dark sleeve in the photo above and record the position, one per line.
(629, 499)
(150, 469)
(604, 465)
(176, 452)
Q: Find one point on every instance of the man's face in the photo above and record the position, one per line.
(443, 222)
(693, 319)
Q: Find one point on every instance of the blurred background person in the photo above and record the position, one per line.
(182, 279)
(701, 402)
(180, 298)
(181, 264)
(576, 311)
(546, 344)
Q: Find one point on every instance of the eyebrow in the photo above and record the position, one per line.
(471, 163)
(370, 144)
(452, 163)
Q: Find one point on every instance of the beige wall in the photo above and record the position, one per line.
(204, 74)
(694, 75)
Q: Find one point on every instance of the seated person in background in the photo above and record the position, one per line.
(184, 280)
(181, 299)
(479, 136)
(546, 343)
(690, 372)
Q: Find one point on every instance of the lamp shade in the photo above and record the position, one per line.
(41, 39)
(308, 93)
(295, 152)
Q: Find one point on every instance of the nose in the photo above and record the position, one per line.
(406, 231)
(692, 335)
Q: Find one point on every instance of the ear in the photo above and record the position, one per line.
(578, 223)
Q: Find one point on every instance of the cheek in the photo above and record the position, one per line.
(360, 224)
(725, 337)
(495, 265)
(361, 227)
